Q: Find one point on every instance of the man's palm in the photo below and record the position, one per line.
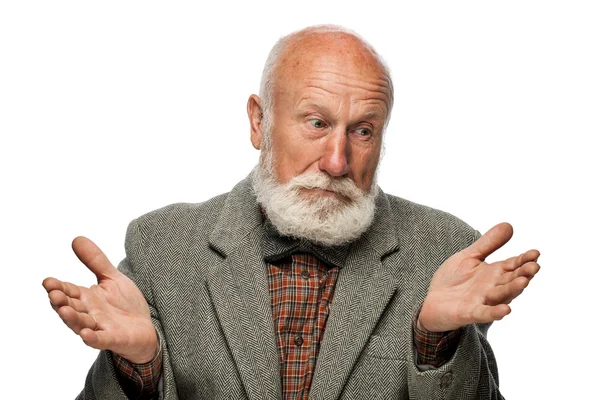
(466, 289)
(111, 315)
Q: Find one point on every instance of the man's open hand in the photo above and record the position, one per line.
(111, 315)
(466, 289)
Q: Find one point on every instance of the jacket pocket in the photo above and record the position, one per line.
(380, 373)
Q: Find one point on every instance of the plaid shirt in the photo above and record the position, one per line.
(139, 381)
(301, 288)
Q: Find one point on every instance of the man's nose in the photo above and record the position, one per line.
(334, 159)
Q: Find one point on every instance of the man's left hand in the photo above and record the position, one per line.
(466, 289)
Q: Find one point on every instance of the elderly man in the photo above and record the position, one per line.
(306, 281)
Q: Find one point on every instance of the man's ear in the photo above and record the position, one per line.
(255, 115)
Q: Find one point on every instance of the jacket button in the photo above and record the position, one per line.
(305, 274)
(298, 340)
(446, 380)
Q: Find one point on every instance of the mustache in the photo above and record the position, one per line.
(318, 180)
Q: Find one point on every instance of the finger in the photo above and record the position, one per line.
(485, 314)
(527, 270)
(97, 339)
(504, 294)
(54, 306)
(76, 321)
(67, 288)
(490, 241)
(93, 258)
(50, 284)
(513, 263)
(59, 299)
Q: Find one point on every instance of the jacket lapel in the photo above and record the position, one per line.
(363, 289)
(240, 293)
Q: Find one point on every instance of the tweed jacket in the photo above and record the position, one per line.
(202, 271)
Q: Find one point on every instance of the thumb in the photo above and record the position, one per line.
(490, 241)
(93, 258)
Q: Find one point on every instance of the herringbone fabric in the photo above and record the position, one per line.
(202, 270)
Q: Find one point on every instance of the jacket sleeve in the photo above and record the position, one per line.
(470, 374)
(102, 382)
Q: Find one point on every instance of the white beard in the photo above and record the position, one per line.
(326, 220)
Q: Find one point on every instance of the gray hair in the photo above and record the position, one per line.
(267, 83)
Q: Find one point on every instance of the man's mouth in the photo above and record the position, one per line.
(322, 192)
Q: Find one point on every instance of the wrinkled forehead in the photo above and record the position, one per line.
(335, 53)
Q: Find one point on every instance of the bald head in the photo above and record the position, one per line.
(310, 48)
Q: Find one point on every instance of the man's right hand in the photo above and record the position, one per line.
(112, 315)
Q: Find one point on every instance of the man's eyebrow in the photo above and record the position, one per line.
(308, 102)
(376, 112)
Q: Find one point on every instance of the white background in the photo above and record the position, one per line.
(112, 109)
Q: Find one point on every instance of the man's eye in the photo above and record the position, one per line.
(317, 123)
(363, 131)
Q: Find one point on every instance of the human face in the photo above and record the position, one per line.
(330, 107)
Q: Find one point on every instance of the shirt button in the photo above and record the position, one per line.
(446, 380)
(305, 274)
(298, 340)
